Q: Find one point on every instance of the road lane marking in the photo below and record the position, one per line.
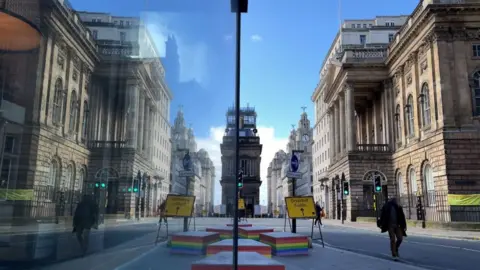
(141, 256)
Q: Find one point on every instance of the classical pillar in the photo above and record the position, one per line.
(140, 118)
(350, 119)
(145, 123)
(132, 101)
(341, 114)
(337, 128)
(331, 128)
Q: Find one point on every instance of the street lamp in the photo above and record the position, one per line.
(19, 25)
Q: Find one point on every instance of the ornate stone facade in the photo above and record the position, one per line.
(279, 185)
(203, 183)
(414, 120)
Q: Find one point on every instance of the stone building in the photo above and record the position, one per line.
(355, 34)
(409, 113)
(132, 83)
(279, 185)
(250, 158)
(89, 126)
(203, 183)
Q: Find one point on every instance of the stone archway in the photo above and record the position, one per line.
(107, 196)
(372, 201)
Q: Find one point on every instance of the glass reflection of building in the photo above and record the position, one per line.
(250, 151)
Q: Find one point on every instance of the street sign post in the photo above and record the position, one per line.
(294, 174)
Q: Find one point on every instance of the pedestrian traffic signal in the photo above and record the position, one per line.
(377, 183)
(240, 180)
(100, 185)
(346, 190)
(136, 185)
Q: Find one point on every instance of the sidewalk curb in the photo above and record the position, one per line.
(469, 238)
(66, 229)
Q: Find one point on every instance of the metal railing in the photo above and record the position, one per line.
(107, 144)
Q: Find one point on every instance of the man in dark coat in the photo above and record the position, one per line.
(84, 219)
(318, 210)
(161, 211)
(392, 219)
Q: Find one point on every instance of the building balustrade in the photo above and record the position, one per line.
(372, 148)
(107, 144)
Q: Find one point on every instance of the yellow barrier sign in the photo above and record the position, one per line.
(241, 204)
(179, 205)
(300, 207)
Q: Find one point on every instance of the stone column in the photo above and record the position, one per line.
(331, 133)
(350, 118)
(145, 123)
(141, 110)
(337, 129)
(132, 114)
(341, 116)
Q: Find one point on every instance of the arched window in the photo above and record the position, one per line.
(429, 184)
(476, 93)
(410, 116)
(401, 185)
(53, 180)
(58, 102)
(70, 181)
(413, 181)
(399, 124)
(81, 180)
(425, 100)
(86, 113)
(73, 112)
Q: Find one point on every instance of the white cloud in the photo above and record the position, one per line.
(256, 38)
(193, 54)
(228, 37)
(271, 144)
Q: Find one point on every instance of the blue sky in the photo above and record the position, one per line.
(283, 47)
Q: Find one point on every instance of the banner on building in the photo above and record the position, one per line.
(464, 199)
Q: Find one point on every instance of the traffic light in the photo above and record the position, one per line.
(135, 185)
(346, 190)
(100, 185)
(377, 183)
(240, 180)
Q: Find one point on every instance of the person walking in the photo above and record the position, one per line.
(161, 210)
(392, 220)
(85, 217)
(318, 210)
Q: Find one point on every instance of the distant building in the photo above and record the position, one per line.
(279, 185)
(203, 183)
(250, 157)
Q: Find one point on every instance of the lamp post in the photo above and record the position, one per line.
(294, 183)
(238, 7)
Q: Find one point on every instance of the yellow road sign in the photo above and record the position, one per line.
(241, 204)
(300, 207)
(179, 205)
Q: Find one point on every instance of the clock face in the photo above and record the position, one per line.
(305, 138)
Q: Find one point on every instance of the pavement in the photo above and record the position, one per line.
(132, 246)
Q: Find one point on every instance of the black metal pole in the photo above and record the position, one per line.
(185, 219)
(294, 220)
(237, 133)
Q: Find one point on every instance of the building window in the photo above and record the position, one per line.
(58, 97)
(413, 181)
(123, 36)
(476, 93)
(73, 112)
(359, 25)
(364, 25)
(353, 25)
(53, 180)
(476, 50)
(410, 116)
(85, 120)
(121, 23)
(390, 37)
(370, 25)
(399, 124)
(390, 24)
(363, 39)
(425, 100)
(401, 187)
(70, 183)
(95, 34)
(430, 184)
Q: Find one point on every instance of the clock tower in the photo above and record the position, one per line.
(250, 151)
